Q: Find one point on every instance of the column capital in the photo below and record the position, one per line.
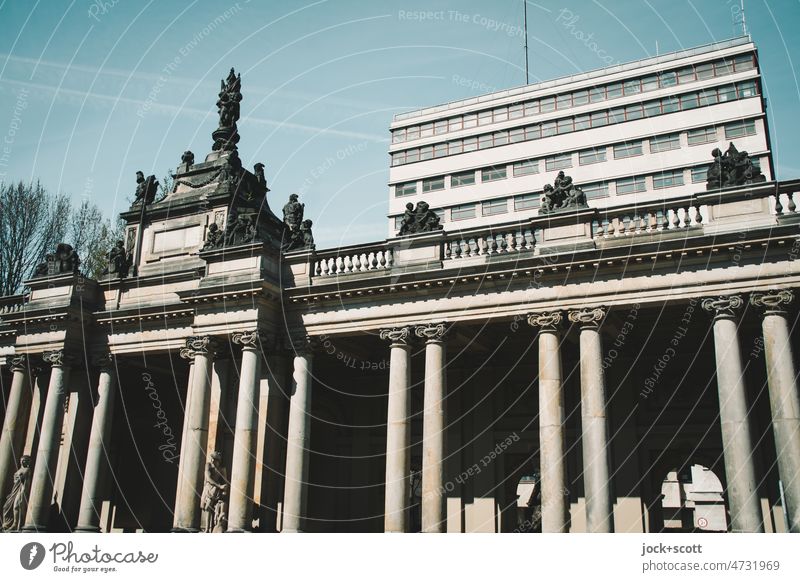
(545, 320)
(104, 360)
(57, 358)
(773, 301)
(398, 336)
(589, 317)
(19, 362)
(249, 340)
(432, 332)
(723, 305)
(198, 345)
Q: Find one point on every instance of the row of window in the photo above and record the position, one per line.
(630, 185)
(603, 118)
(671, 78)
(658, 143)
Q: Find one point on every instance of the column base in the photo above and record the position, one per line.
(185, 530)
(87, 529)
(237, 530)
(34, 528)
(292, 531)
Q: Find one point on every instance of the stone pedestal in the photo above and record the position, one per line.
(783, 396)
(15, 423)
(594, 428)
(195, 438)
(733, 416)
(552, 465)
(433, 428)
(240, 513)
(397, 431)
(295, 495)
(99, 442)
(46, 462)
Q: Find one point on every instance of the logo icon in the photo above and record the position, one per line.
(31, 555)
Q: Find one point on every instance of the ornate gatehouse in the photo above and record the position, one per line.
(626, 368)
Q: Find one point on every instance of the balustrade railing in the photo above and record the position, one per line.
(488, 241)
(355, 259)
(783, 201)
(648, 218)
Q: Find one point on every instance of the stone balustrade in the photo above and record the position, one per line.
(485, 241)
(648, 218)
(356, 259)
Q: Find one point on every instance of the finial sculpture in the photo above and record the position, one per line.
(230, 95)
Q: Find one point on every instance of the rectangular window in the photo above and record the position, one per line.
(533, 132)
(440, 150)
(699, 174)
(564, 126)
(582, 122)
(492, 174)
(634, 112)
(515, 111)
(650, 83)
(412, 156)
(470, 120)
(427, 130)
(398, 222)
(398, 135)
(455, 124)
(455, 147)
(433, 184)
(412, 133)
(746, 89)
(591, 156)
(463, 212)
(668, 79)
(704, 71)
(708, 97)
(723, 67)
(426, 153)
(406, 189)
(526, 201)
(501, 114)
(580, 98)
(484, 118)
(564, 101)
(462, 179)
(531, 108)
(670, 105)
(599, 119)
(547, 105)
(526, 168)
(689, 101)
(492, 207)
(485, 142)
(616, 115)
(727, 93)
(702, 135)
(630, 185)
(652, 108)
(470, 144)
(740, 129)
(398, 158)
(558, 162)
(548, 128)
(440, 127)
(614, 91)
(664, 143)
(516, 135)
(668, 179)
(633, 87)
(686, 75)
(597, 94)
(501, 138)
(596, 190)
(743, 62)
(627, 150)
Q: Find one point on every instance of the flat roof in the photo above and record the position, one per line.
(622, 67)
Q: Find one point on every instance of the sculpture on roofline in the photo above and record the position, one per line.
(230, 95)
(419, 219)
(733, 168)
(146, 189)
(64, 260)
(562, 195)
(119, 261)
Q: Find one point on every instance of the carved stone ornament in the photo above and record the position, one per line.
(546, 320)
(419, 219)
(772, 301)
(432, 332)
(397, 335)
(146, 190)
(723, 306)
(226, 136)
(55, 358)
(588, 317)
(733, 168)
(197, 345)
(247, 339)
(64, 260)
(19, 363)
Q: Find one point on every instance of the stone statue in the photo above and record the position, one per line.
(230, 95)
(241, 230)
(214, 237)
(187, 161)
(419, 219)
(146, 189)
(733, 168)
(258, 170)
(212, 501)
(562, 195)
(64, 260)
(17, 500)
(293, 213)
(119, 261)
(305, 231)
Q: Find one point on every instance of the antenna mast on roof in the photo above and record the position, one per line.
(744, 22)
(525, 22)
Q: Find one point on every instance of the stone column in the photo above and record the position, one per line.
(200, 350)
(397, 430)
(552, 462)
(783, 395)
(737, 449)
(298, 439)
(16, 421)
(240, 513)
(434, 519)
(99, 443)
(46, 461)
(594, 428)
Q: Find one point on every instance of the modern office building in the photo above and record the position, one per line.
(635, 132)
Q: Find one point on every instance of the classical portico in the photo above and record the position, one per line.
(559, 374)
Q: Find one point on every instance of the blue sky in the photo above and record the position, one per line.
(93, 90)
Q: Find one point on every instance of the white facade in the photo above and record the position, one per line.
(636, 132)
